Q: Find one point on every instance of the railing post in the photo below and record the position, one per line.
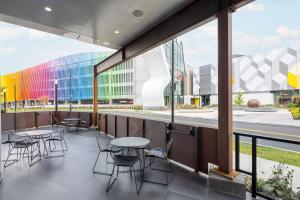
(95, 97)
(254, 171)
(237, 152)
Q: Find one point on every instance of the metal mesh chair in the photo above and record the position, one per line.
(22, 144)
(104, 146)
(160, 153)
(123, 158)
(57, 136)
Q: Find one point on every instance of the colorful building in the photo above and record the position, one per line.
(73, 73)
(124, 84)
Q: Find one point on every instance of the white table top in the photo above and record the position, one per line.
(72, 119)
(35, 132)
(130, 142)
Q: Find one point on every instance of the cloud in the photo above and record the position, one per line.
(7, 50)
(287, 32)
(260, 41)
(35, 34)
(8, 33)
(255, 7)
(211, 31)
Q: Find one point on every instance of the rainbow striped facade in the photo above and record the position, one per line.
(74, 74)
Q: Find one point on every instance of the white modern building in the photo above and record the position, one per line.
(271, 78)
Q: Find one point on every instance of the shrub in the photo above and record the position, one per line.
(278, 185)
(239, 99)
(294, 107)
(296, 100)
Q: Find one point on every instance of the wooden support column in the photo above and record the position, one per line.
(95, 97)
(225, 91)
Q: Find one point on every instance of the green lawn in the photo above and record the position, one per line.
(269, 153)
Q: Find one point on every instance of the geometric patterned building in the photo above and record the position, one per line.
(278, 70)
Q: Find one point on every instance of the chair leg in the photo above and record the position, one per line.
(162, 170)
(109, 185)
(66, 144)
(135, 181)
(7, 159)
(95, 164)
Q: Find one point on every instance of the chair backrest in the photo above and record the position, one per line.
(55, 121)
(102, 141)
(10, 135)
(59, 132)
(168, 146)
(13, 137)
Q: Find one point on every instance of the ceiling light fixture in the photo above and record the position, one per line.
(117, 32)
(48, 9)
(137, 13)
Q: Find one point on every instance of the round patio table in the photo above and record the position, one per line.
(130, 142)
(38, 134)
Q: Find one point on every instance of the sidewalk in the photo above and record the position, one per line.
(281, 117)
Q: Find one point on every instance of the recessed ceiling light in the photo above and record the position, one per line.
(137, 13)
(48, 9)
(117, 32)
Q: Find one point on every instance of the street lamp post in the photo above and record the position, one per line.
(55, 95)
(199, 98)
(15, 95)
(70, 93)
(4, 97)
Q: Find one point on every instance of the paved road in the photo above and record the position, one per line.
(277, 131)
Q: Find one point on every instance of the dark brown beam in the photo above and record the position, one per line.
(194, 15)
(95, 98)
(225, 91)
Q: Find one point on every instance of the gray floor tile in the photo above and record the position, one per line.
(71, 178)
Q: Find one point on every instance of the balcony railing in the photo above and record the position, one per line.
(254, 145)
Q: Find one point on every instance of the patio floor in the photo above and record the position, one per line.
(71, 177)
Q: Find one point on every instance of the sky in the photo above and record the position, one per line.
(21, 47)
(257, 29)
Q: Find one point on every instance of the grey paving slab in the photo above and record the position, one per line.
(71, 178)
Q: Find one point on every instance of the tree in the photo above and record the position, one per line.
(239, 99)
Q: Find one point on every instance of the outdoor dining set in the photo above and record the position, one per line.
(124, 154)
(131, 153)
(28, 144)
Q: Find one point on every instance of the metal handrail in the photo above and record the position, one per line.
(253, 173)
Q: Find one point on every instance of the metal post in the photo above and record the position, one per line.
(172, 83)
(70, 94)
(237, 152)
(15, 94)
(56, 95)
(4, 105)
(254, 171)
(199, 98)
(95, 97)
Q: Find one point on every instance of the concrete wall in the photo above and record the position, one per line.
(264, 98)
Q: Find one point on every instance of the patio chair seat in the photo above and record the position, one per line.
(24, 144)
(121, 160)
(157, 152)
